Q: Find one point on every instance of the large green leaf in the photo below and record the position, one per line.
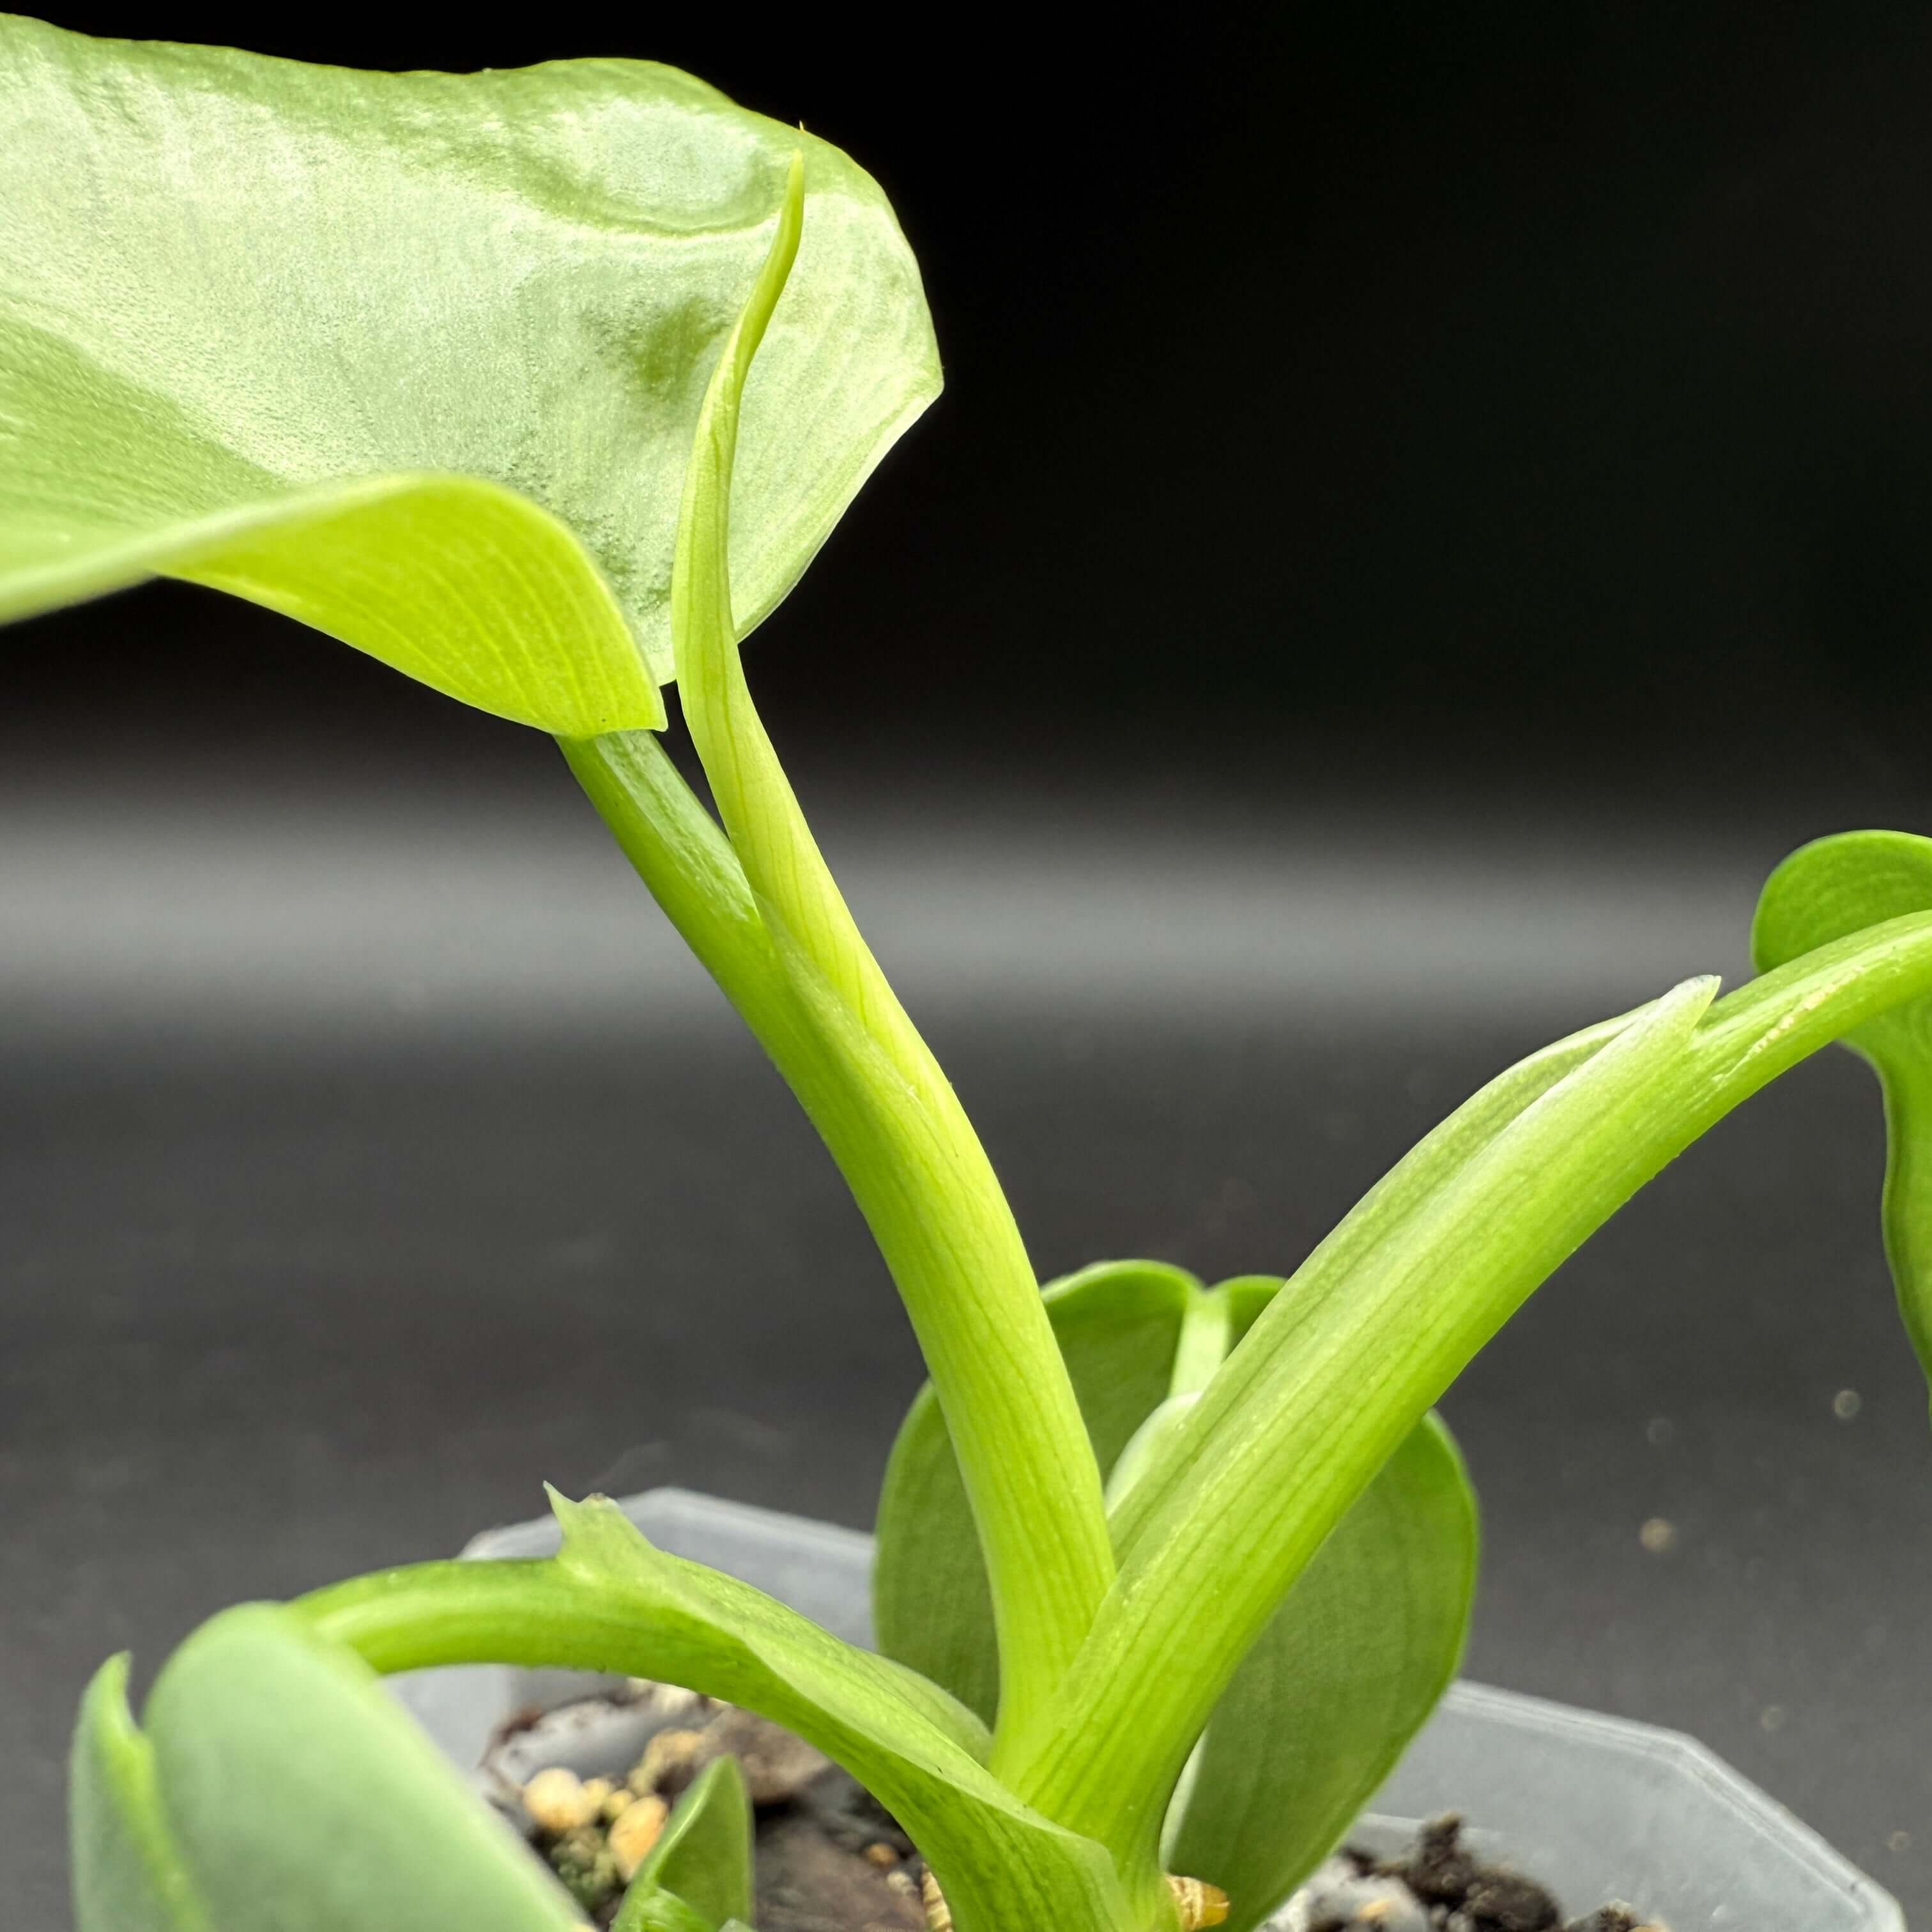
(1343, 1677)
(611, 1601)
(304, 1799)
(704, 1857)
(127, 1872)
(1829, 890)
(258, 318)
(1118, 1324)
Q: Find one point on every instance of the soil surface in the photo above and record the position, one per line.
(829, 1858)
(1437, 1885)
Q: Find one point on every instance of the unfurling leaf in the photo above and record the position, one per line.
(650, 1908)
(417, 358)
(127, 1872)
(1829, 890)
(703, 1858)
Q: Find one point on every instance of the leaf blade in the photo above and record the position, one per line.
(703, 1856)
(302, 277)
(302, 1796)
(463, 585)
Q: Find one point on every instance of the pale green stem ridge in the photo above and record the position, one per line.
(1207, 1327)
(929, 1196)
(1204, 1331)
(906, 1148)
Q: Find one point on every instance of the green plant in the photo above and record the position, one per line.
(462, 370)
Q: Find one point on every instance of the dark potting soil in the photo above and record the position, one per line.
(829, 1857)
(832, 1860)
(1437, 1885)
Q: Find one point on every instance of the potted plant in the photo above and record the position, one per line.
(544, 387)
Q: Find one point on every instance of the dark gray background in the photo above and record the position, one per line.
(1423, 518)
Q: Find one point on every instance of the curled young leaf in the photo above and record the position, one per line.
(310, 299)
(702, 1859)
(650, 1908)
(1829, 890)
(127, 1872)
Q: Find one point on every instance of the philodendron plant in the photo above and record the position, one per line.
(544, 387)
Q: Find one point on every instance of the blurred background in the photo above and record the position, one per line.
(1428, 508)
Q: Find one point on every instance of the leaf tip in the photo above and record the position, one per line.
(598, 1536)
(106, 1716)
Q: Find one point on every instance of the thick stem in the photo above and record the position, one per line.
(928, 1193)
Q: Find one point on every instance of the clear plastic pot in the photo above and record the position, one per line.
(1595, 1808)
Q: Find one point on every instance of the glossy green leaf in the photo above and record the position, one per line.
(127, 1872)
(1346, 1673)
(612, 1602)
(304, 1799)
(1118, 1324)
(417, 358)
(1829, 890)
(704, 1856)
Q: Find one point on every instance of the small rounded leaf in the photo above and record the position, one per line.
(1828, 891)
(703, 1858)
(304, 1799)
